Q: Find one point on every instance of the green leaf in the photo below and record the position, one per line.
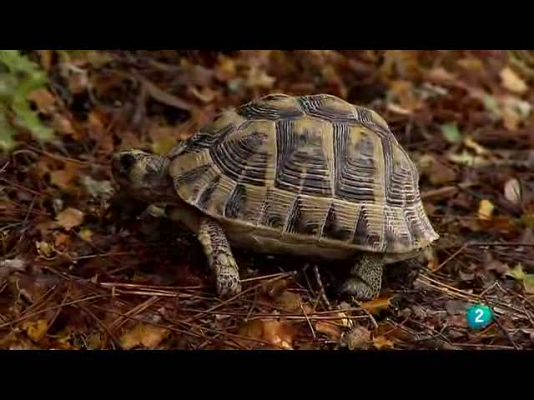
(517, 273)
(451, 132)
(7, 132)
(528, 283)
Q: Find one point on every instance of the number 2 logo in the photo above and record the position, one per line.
(478, 316)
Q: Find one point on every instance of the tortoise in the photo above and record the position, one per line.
(308, 175)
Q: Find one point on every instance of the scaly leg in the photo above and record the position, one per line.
(220, 257)
(365, 280)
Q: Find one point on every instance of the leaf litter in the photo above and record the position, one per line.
(82, 268)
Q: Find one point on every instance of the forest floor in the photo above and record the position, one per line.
(82, 269)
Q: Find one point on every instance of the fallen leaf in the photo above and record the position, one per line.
(438, 173)
(70, 218)
(517, 272)
(258, 78)
(485, 210)
(275, 288)
(381, 342)
(498, 266)
(358, 338)
(441, 75)
(61, 241)
(86, 234)
(512, 191)
(528, 283)
(36, 330)
(64, 125)
(451, 132)
(514, 111)
(471, 64)
(471, 144)
(43, 99)
(98, 189)
(403, 92)
(279, 334)
(329, 328)
(288, 301)
(65, 178)
(455, 307)
(226, 69)
(143, 335)
(527, 279)
(377, 305)
(45, 249)
(511, 81)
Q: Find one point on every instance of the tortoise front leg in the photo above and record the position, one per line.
(365, 280)
(220, 257)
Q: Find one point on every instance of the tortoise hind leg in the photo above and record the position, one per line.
(220, 257)
(365, 280)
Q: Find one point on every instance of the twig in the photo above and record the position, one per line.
(231, 299)
(14, 321)
(308, 321)
(451, 257)
(322, 292)
(373, 320)
(58, 157)
(114, 340)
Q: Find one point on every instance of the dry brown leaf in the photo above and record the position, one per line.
(441, 75)
(258, 78)
(46, 59)
(61, 241)
(143, 335)
(377, 305)
(403, 91)
(64, 125)
(485, 210)
(64, 178)
(70, 218)
(279, 334)
(288, 301)
(36, 330)
(329, 328)
(511, 81)
(471, 64)
(358, 338)
(512, 191)
(226, 69)
(44, 100)
(381, 342)
(438, 173)
(498, 266)
(514, 111)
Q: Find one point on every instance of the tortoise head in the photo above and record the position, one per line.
(143, 175)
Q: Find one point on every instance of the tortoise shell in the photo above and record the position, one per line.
(312, 169)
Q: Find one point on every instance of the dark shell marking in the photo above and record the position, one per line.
(312, 167)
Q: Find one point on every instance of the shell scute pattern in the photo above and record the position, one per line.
(314, 168)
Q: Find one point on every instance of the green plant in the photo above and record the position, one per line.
(19, 76)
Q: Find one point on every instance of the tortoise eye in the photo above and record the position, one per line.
(127, 161)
